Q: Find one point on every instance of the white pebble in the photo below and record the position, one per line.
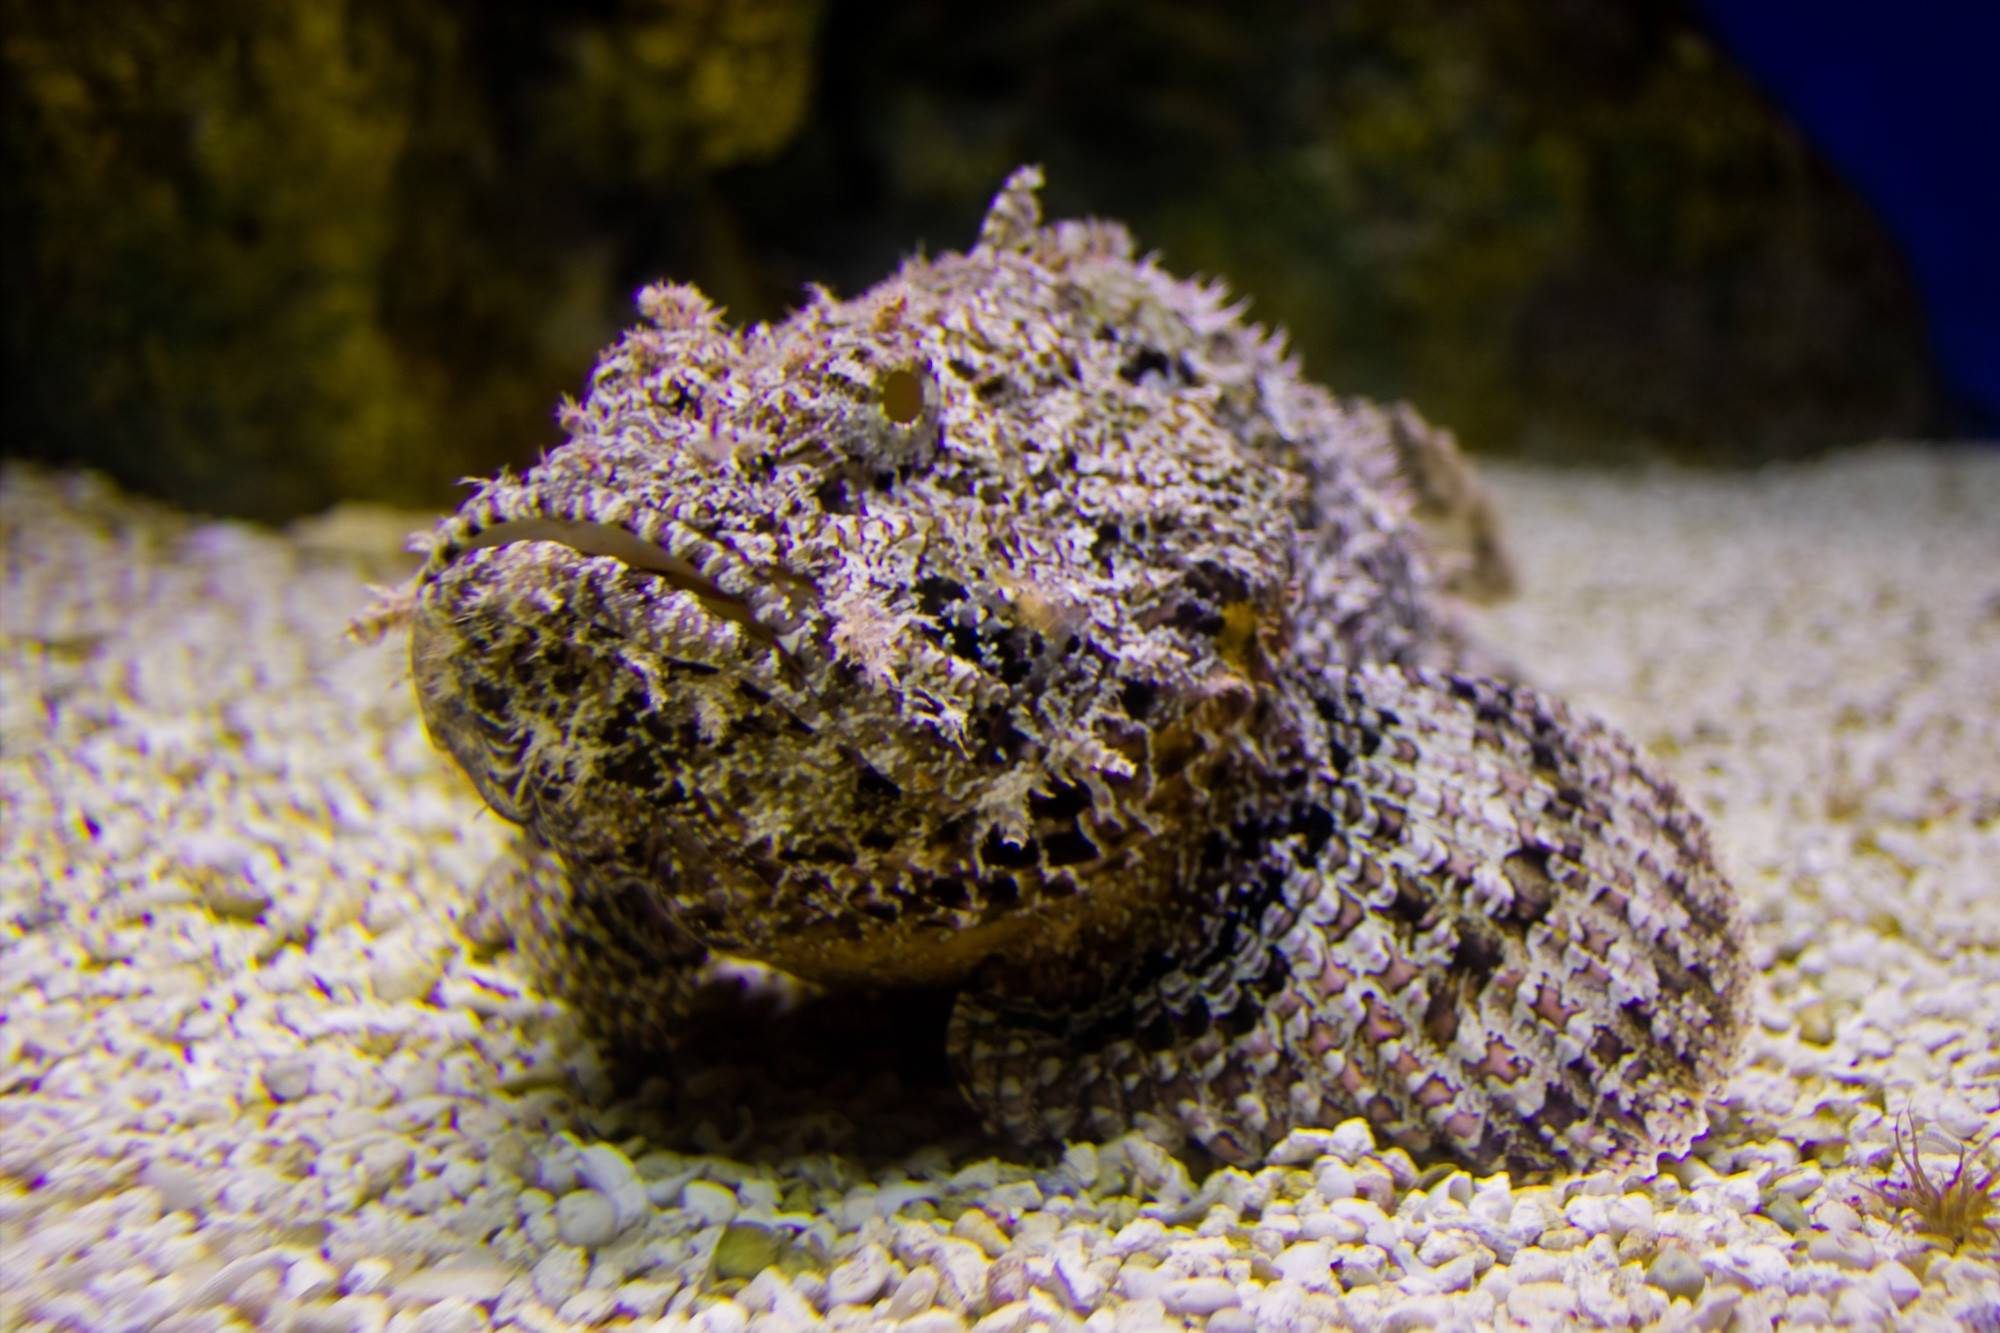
(1836, 1216)
(861, 1278)
(760, 1293)
(1333, 1180)
(366, 1276)
(247, 1282)
(1143, 1235)
(558, 1274)
(1741, 1192)
(1527, 1221)
(1716, 1311)
(1542, 1303)
(610, 1173)
(1142, 1282)
(461, 1177)
(980, 1175)
(1588, 1213)
(215, 850)
(1627, 1213)
(1859, 1307)
(772, 1296)
(963, 1266)
(451, 1315)
(287, 1080)
(1019, 1197)
(586, 1219)
(400, 973)
(1537, 1266)
(309, 1279)
(1801, 1182)
(933, 1321)
(1325, 1224)
(1421, 1313)
(1492, 1200)
(1757, 1267)
(180, 1188)
(1300, 1146)
(1456, 1274)
(721, 1317)
(456, 1281)
(556, 1171)
(914, 1293)
(349, 1314)
(1441, 1247)
(1376, 1225)
(1309, 1263)
(1847, 1249)
(1352, 1139)
(1013, 1318)
(811, 1288)
(1896, 1284)
(589, 1307)
(1198, 1295)
(644, 1299)
(712, 1205)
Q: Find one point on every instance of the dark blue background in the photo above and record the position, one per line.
(1904, 96)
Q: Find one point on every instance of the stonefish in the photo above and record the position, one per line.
(1027, 625)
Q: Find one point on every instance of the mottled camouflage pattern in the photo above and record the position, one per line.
(1027, 625)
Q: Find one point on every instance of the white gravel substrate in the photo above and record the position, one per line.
(251, 1073)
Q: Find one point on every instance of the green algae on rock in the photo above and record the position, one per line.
(266, 256)
(1028, 626)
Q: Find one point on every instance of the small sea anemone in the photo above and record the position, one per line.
(1958, 1209)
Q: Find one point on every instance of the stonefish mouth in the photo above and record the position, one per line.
(622, 544)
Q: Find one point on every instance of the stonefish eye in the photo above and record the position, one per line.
(888, 423)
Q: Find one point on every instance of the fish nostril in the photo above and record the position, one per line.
(902, 395)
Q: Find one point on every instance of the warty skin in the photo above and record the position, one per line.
(1027, 625)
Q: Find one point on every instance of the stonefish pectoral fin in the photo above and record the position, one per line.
(1509, 945)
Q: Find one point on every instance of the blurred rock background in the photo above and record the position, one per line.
(263, 255)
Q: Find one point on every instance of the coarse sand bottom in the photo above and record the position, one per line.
(252, 1073)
